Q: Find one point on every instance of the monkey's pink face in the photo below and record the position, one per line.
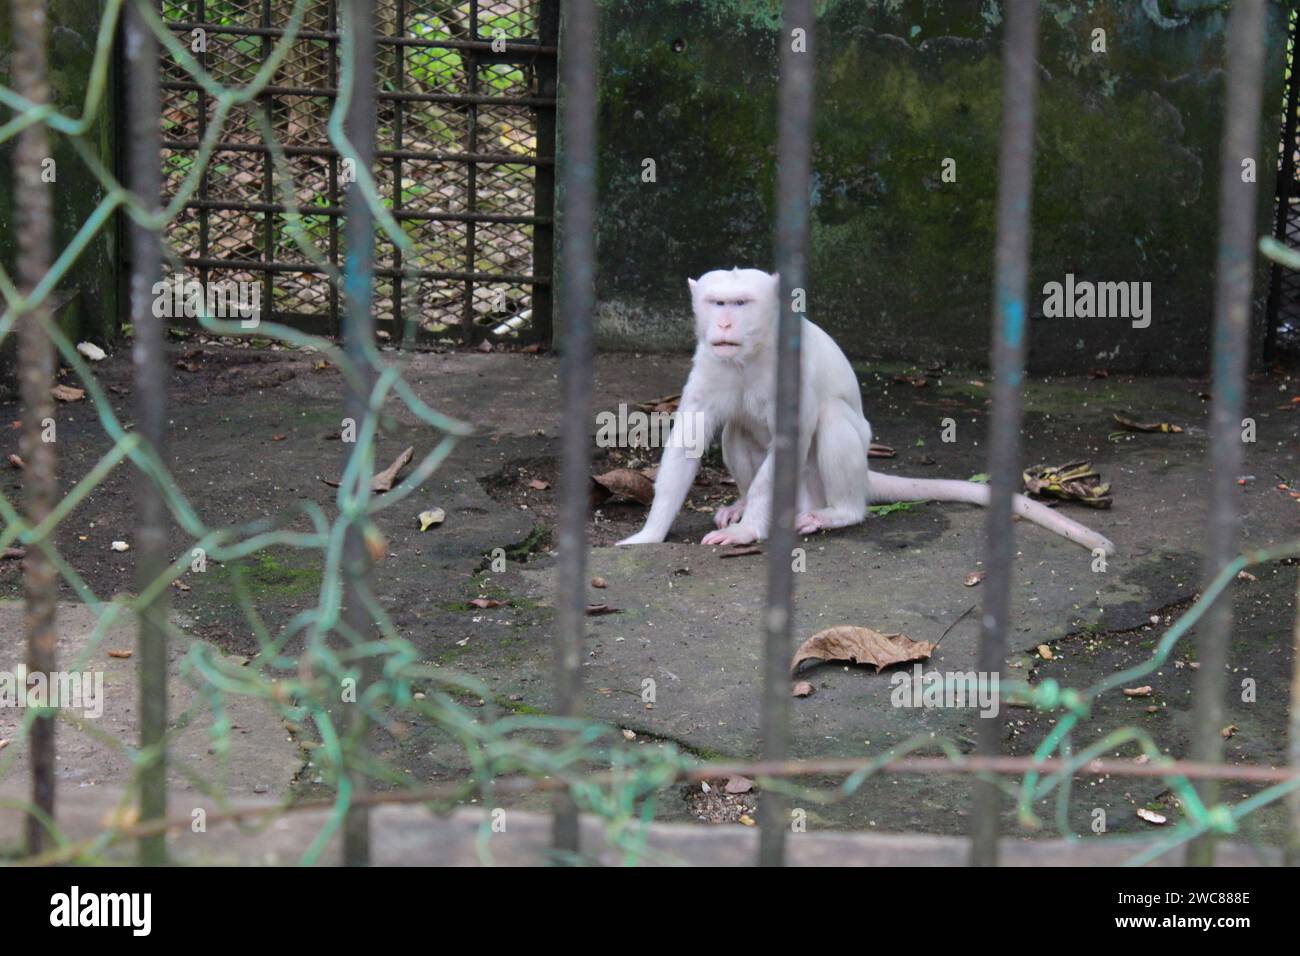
(734, 310)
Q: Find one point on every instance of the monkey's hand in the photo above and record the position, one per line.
(641, 537)
(736, 534)
(729, 514)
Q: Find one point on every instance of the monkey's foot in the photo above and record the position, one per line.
(736, 534)
(808, 523)
(641, 537)
(729, 514)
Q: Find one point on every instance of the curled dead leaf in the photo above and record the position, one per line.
(622, 483)
(482, 602)
(1229, 731)
(120, 655)
(1045, 652)
(538, 485)
(434, 516)
(739, 784)
(974, 578)
(802, 689)
(1143, 691)
(861, 645)
(1150, 816)
(598, 582)
(66, 393)
(384, 480)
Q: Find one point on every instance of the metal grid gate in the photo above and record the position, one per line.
(1283, 314)
(465, 98)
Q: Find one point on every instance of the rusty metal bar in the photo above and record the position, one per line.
(578, 307)
(1010, 331)
(483, 159)
(258, 265)
(144, 104)
(401, 316)
(34, 239)
(358, 335)
(793, 182)
(1291, 853)
(470, 61)
(1284, 190)
(400, 96)
(1234, 279)
(410, 215)
(528, 48)
(548, 30)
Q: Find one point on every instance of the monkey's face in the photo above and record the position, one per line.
(735, 311)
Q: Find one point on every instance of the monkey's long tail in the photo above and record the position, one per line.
(887, 488)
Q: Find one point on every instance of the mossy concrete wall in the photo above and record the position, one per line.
(901, 261)
(73, 25)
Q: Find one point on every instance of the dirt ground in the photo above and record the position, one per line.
(254, 430)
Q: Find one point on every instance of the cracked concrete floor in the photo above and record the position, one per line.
(250, 435)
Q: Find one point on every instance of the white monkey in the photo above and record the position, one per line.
(732, 387)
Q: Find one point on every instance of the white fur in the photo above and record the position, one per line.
(732, 388)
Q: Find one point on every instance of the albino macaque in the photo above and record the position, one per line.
(732, 387)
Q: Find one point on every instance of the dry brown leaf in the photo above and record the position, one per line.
(747, 820)
(384, 480)
(66, 393)
(538, 485)
(598, 609)
(485, 346)
(741, 550)
(1129, 425)
(878, 450)
(598, 582)
(180, 585)
(861, 645)
(739, 784)
(485, 603)
(1150, 816)
(802, 689)
(17, 462)
(624, 483)
(974, 578)
(1045, 652)
(121, 655)
(1229, 731)
(1143, 691)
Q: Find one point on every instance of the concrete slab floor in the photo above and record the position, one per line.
(251, 434)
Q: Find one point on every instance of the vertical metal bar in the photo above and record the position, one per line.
(268, 177)
(399, 84)
(793, 183)
(578, 302)
(548, 30)
(151, 416)
(33, 228)
(335, 324)
(201, 97)
(1291, 854)
(1234, 278)
(471, 177)
(1285, 186)
(359, 332)
(1010, 286)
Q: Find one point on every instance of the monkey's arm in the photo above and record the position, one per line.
(677, 470)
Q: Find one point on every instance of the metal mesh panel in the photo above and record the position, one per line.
(463, 162)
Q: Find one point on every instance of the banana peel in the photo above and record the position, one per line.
(1074, 481)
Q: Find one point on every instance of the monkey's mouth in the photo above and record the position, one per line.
(726, 347)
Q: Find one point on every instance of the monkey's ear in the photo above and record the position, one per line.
(692, 283)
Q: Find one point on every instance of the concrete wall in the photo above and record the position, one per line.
(901, 261)
(73, 25)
